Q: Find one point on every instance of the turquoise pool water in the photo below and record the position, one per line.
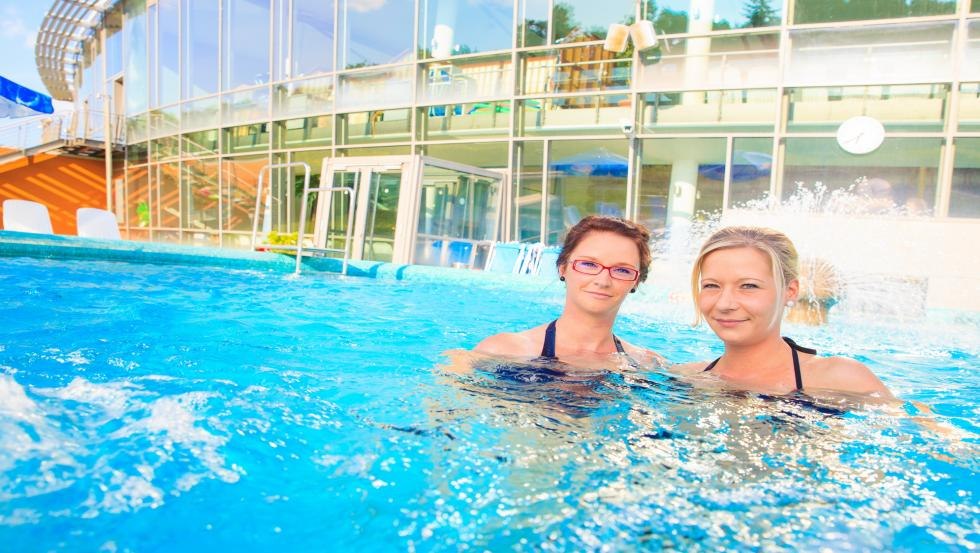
(150, 408)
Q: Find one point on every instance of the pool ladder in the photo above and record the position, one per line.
(350, 191)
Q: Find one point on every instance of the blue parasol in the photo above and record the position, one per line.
(746, 166)
(594, 163)
(20, 101)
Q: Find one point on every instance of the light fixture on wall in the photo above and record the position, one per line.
(643, 34)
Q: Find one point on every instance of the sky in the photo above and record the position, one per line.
(19, 22)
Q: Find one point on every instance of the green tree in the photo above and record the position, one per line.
(760, 13)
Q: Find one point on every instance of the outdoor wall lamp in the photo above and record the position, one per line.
(643, 33)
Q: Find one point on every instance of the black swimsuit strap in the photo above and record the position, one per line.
(794, 348)
(548, 349)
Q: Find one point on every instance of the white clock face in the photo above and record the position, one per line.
(860, 135)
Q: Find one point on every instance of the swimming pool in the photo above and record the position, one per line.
(150, 407)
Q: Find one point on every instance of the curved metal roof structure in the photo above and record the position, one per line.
(58, 51)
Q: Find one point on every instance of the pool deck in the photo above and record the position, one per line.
(55, 246)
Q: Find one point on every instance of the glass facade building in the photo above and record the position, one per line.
(530, 122)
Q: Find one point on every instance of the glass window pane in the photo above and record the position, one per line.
(199, 192)
(710, 111)
(452, 27)
(304, 132)
(681, 179)
(969, 116)
(463, 121)
(375, 33)
(898, 177)
(577, 69)
(970, 62)
(137, 198)
(374, 151)
(154, 58)
(114, 42)
(699, 63)
(378, 88)
(585, 177)
(532, 21)
(879, 54)
(673, 16)
(751, 172)
(240, 178)
(246, 43)
(964, 199)
(201, 143)
(456, 210)
(165, 149)
(200, 51)
(164, 122)
(814, 11)
(469, 79)
(137, 154)
(392, 125)
(312, 45)
(168, 195)
(899, 108)
(528, 184)
(303, 97)
(583, 20)
(200, 113)
(168, 71)
(137, 128)
(575, 115)
(489, 155)
(245, 105)
(246, 138)
(134, 42)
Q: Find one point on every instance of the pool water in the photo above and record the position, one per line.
(152, 408)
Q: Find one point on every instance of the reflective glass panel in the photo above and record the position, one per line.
(303, 97)
(245, 138)
(374, 33)
(575, 115)
(466, 79)
(114, 42)
(374, 151)
(304, 132)
(532, 22)
(969, 116)
(528, 186)
(200, 113)
(964, 199)
(165, 149)
(751, 172)
(392, 125)
(814, 11)
(168, 70)
(684, 16)
(239, 180)
(378, 88)
(710, 111)
(312, 45)
(199, 193)
(585, 177)
(245, 105)
(452, 27)
(200, 143)
(583, 20)
(164, 121)
(489, 155)
(576, 69)
(199, 33)
(136, 128)
(709, 62)
(898, 177)
(681, 179)
(154, 57)
(456, 210)
(245, 36)
(138, 197)
(871, 54)
(970, 63)
(898, 107)
(137, 154)
(168, 195)
(462, 121)
(134, 42)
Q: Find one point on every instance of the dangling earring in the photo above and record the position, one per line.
(790, 303)
(561, 278)
(632, 290)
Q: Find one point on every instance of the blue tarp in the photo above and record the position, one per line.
(20, 101)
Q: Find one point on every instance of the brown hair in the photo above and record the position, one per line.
(777, 246)
(602, 223)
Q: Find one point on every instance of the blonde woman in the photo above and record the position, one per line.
(743, 279)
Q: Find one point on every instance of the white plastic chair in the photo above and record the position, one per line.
(26, 216)
(97, 223)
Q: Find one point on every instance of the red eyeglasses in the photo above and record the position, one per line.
(618, 272)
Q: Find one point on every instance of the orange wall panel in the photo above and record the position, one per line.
(61, 183)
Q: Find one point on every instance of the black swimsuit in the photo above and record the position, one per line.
(548, 349)
(794, 347)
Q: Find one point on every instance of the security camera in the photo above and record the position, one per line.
(626, 126)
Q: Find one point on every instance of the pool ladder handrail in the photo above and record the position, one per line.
(299, 233)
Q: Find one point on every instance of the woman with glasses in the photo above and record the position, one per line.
(602, 261)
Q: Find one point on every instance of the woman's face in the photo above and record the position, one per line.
(739, 295)
(600, 294)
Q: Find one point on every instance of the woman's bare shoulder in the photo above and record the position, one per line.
(512, 344)
(845, 375)
(689, 368)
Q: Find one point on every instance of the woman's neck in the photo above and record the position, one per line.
(753, 359)
(589, 333)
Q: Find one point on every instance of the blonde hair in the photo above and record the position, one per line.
(782, 258)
